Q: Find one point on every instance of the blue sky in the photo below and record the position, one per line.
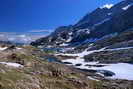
(36, 15)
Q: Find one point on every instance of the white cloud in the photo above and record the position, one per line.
(24, 37)
(19, 37)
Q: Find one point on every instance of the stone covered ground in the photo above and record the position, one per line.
(24, 67)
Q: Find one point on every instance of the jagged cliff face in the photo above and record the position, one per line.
(105, 20)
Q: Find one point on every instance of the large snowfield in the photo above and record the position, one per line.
(121, 70)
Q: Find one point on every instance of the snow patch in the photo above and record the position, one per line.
(69, 39)
(121, 70)
(70, 33)
(11, 64)
(84, 53)
(105, 20)
(64, 44)
(87, 31)
(109, 13)
(3, 48)
(108, 6)
(18, 48)
(91, 78)
(78, 61)
(126, 7)
(115, 49)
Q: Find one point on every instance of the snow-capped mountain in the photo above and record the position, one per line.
(105, 20)
(102, 41)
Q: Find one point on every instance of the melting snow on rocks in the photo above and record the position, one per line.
(80, 55)
(121, 70)
(118, 70)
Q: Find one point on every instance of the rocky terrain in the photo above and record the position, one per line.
(119, 49)
(94, 53)
(100, 44)
(104, 21)
(24, 67)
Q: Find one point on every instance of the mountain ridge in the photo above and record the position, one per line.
(101, 22)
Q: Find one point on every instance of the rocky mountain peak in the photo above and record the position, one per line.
(106, 20)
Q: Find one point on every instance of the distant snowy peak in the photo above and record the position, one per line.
(108, 6)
